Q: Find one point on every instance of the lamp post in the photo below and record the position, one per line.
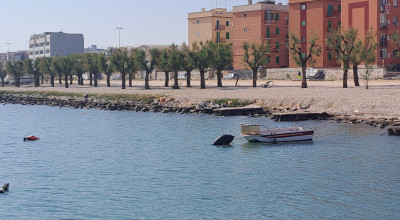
(8, 51)
(119, 36)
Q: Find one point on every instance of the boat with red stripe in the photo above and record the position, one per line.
(253, 133)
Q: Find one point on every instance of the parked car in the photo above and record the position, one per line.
(116, 77)
(232, 76)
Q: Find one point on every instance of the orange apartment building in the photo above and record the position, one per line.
(318, 16)
(215, 25)
(264, 21)
(380, 15)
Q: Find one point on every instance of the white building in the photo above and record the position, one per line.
(52, 44)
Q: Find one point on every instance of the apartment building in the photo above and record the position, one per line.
(264, 21)
(319, 16)
(51, 44)
(380, 15)
(215, 25)
(13, 56)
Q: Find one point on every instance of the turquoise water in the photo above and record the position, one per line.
(93, 164)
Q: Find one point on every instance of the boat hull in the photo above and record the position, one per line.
(285, 137)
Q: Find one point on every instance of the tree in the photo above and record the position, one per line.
(222, 58)
(30, 68)
(175, 60)
(396, 41)
(147, 64)
(3, 74)
(303, 57)
(64, 66)
(45, 66)
(90, 64)
(367, 53)
(78, 67)
(255, 57)
(164, 66)
(132, 66)
(344, 43)
(187, 63)
(202, 55)
(105, 66)
(15, 69)
(356, 60)
(120, 61)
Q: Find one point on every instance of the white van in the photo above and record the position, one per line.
(23, 80)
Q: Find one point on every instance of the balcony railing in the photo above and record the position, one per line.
(221, 40)
(270, 36)
(270, 21)
(221, 27)
(383, 42)
(332, 13)
(383, 26)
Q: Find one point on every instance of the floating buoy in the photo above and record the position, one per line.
(31, 138)
(5, 188)
(225, 139)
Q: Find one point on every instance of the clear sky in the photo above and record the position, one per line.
(143, 22)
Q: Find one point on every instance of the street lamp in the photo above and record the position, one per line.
(8, 51)
(119, 36)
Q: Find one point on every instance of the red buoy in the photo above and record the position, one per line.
(31, 138)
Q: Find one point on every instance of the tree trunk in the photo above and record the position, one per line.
(70, 79)
(95, 80)
(60, 79)
(188, 73)
(91, 79)
(66, 80)
(108, 80)
(355, 75)
(37, 80)
(176, 84)
(52, 80)
(219, 78)
(345, 73)
(130, 79)
(17, 82)
(254, 78)
(202, 79)
(166, 84)
(146, 81)
(123, 80)
(303, 76)
(42, 79)
(2, 81)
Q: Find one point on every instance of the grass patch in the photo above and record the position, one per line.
(231, 102)
(145, 99)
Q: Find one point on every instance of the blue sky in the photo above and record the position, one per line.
(143, 22)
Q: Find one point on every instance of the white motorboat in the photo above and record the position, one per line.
(253, 133)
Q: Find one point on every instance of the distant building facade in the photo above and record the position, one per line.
(52, 44)
(13, 56)
(215, 25)
(261, 22)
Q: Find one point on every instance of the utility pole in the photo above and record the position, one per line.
(119, 36)
(8, 51)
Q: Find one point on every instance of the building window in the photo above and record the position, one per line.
(277, 45)
(395, 3)
(395, 53)
(303, 6)
(30, 53)
(303, 39)
(268, 35)
(339, 8)
(329, 25)
(383, 53)
(227, 23)
(227, 35)
(47, 51)
(277, 59)
(277, 31)
(339, 23)
(329, 56)
(277, 17)
(245, 15)
(329, 10)
(396, 20)
(303, 23)
(268, 59)
(31, 45)
(244, 29)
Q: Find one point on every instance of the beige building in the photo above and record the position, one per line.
(215, 25)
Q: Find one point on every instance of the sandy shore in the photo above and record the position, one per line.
(381, 100)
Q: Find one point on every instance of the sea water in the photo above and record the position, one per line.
(91, 164)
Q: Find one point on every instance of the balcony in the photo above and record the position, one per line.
(270, 21)
(221, 40)
(383, 42)
(381, 8)
(220, 27)
(332, 14)
(383, 26)
(270, 36)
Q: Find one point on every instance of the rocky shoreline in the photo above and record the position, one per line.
(170, 105)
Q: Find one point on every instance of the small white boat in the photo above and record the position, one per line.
(253, 133)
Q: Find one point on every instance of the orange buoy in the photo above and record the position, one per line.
(31, 138)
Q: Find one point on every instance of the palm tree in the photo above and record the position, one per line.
(132, 66)
(3, 74)
(120, 61)
(105, 66)
(90, 64)
(175, 60)
(15, 69)
(78, 67)
(187, 63)
(202, 56)
(222, 59)
(256, 56)
(164, 66)
(45, 67)
(30, 68)
(64, 66)
(147, 64)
